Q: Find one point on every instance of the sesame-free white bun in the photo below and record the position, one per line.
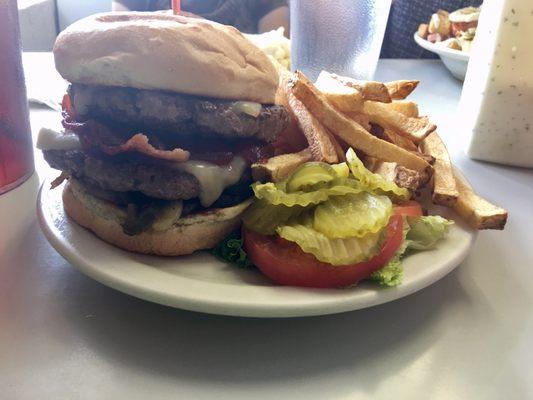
(157, 50)
(192, 232)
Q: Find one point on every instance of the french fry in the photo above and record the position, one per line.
(399, 140)
(476, 211)
(407, 108)
(317, 136)
(277, 168)
(345, 102)
(341, 153)
(349, 131)
(393, 172)
(369, 162)
(390, 136)
(429, 159)
(399, 90)
(444, 187)
(292, 139)
(370, 90)
(386, 169)
(409, 179)
(360, 118)
(344, 98)
(414, 128)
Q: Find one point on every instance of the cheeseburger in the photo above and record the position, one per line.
(163, 117)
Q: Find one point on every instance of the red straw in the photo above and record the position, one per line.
(176, 7)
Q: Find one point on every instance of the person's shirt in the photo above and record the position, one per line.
(242, 14)
(404, 18)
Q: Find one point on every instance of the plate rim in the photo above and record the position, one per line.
(376, 297)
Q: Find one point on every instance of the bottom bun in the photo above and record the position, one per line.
(193, 232)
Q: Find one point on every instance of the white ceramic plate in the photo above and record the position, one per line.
(456, 61)
(202, 283)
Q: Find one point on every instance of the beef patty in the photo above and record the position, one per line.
(231, 196)
(156, 110)
(155, 180)
(128, 180)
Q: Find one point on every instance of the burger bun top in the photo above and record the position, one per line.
(162, 51)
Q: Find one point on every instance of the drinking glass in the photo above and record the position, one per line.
(339, 36)
(16, 153)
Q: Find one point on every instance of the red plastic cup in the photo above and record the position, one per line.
(16, 150)
(176, 6)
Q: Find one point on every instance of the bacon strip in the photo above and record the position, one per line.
(95, 135)
(59, 180)
(140, 144)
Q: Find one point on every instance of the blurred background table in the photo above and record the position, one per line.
(469, 336)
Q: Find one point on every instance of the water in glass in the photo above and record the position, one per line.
(341, 36)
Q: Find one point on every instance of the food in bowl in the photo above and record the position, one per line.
(454, 30)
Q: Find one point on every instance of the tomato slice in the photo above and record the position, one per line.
(286, 263)
(410, 208)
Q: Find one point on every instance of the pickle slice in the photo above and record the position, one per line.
(332, 251)
(275, 195)
(353, 215)
(373, 181)
(264, 218)
(341, 170)
(310, 174)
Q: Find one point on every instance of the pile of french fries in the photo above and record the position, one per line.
(388, 133)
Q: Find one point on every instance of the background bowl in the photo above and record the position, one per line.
(456, 61)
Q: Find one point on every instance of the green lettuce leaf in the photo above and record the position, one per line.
(419, 233)
(390, 275)
(425, 232)
(230, 250)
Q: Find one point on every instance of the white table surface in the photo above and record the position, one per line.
(469, 336)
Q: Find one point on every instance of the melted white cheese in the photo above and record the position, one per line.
(214, 178)
(50, 139)
(248, 107)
